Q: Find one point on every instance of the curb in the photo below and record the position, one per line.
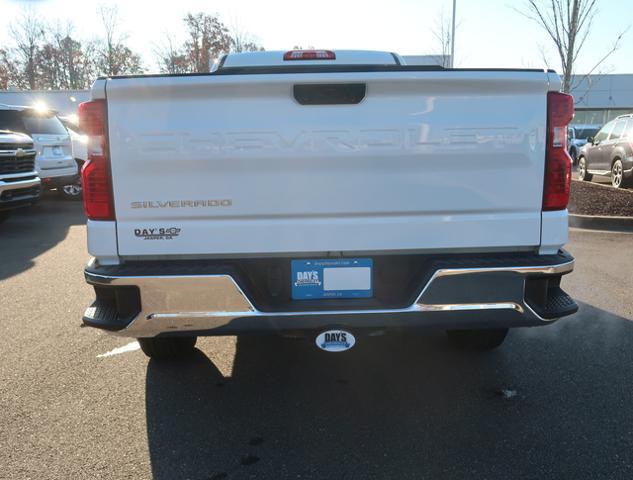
(597, 222)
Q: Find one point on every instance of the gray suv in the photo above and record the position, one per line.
(609, 153)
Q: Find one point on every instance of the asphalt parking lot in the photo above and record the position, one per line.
(553, 402)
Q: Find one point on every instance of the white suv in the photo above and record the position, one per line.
(55, 164)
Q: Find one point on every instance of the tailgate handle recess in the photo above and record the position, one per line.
(330, 93)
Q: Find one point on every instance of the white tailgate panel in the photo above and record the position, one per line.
(428, 160)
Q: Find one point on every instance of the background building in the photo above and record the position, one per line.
(63, 101)
(600, 98)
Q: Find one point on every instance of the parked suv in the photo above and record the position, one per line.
(79, 142)
(578, 135)
(19, 184)
(609, 153)
(55, 164)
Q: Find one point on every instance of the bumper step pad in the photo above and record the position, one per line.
(103, 314)
(558, 304)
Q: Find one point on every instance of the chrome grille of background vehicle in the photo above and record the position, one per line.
(15, 146)
(13, 162)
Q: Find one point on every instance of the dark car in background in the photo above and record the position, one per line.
(609, 153)
(577, 138)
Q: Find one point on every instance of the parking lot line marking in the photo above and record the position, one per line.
(130, 347)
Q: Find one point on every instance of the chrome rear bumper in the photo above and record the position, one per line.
(473, 297)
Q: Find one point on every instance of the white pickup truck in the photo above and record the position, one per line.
(328, 192)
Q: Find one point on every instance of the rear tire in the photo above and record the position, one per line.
(168, 348)
(617, 175)
(479, 340)
(72, 191)
(583, 174)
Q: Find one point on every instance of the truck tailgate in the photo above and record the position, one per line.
(227, 164)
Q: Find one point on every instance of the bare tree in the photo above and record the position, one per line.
(78, 59)
(9, 70)
(240, 45)
(171, 59)
(76, 63)
(109, 19)
(568, 23)
(64, 62)
(443, 36)
(28, 35)
(91, 54)
(115, 58)
(50, 72)
(48, 56)
(208, 39)
(242, 41)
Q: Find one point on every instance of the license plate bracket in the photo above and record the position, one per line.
(314, 279)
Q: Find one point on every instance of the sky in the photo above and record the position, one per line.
(490, 33)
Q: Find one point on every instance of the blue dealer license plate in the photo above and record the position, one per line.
(332, 278)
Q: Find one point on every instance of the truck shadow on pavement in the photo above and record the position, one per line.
(551, 403)
(31, 231)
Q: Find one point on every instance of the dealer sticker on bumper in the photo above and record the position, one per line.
(335, 341)
(332, 278)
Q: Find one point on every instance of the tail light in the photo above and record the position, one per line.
(95, 174)
(560, 111)
(310, 55)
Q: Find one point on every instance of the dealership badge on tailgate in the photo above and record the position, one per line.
(335, 341)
